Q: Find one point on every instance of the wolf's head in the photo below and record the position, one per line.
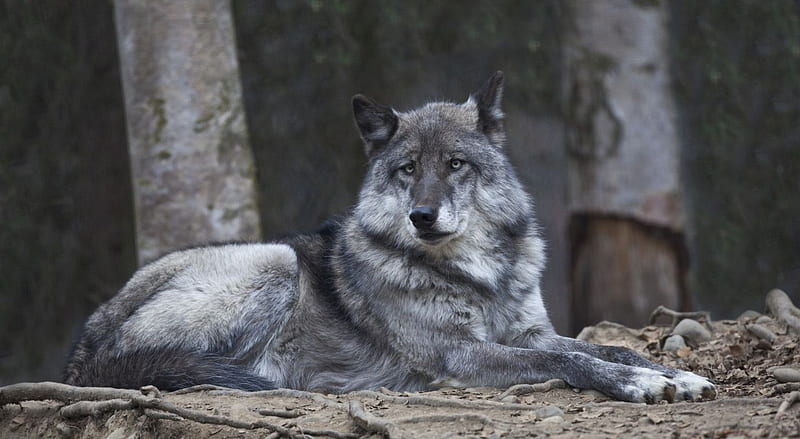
(437, 174)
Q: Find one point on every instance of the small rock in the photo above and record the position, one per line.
(510, 399)
(692, 330)
(673, 343)
(764, 319)
(548, 411)
(749, 315)
(786, 374)
(553, 420)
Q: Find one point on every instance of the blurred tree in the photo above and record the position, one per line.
(627, 217)
(193, 172)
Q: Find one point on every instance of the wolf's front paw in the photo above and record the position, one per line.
(691, 387)
(650, 386)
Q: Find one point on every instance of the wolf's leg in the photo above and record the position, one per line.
(482, 364)
(689, 386)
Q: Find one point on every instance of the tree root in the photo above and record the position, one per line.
(677, 316)
(15, 393)
(95, 401)
(371, 423)
(280, 413)
(791, 399)
(81, 409)
(527, 389)
(781, 307)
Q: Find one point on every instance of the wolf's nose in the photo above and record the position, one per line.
(423, 217)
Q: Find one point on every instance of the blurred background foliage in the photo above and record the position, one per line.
(736, 66)
(66, 232)
(66, 214)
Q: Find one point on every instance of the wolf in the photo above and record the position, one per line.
(431, 280)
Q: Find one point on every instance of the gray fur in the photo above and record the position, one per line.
(373, 299)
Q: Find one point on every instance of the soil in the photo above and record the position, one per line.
(740, 363)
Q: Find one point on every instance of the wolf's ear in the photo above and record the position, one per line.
(490, 114)
(376, 123)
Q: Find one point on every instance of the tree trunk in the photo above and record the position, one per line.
(192, 167)
(627, 218)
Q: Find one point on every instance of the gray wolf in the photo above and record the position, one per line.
(432, 279)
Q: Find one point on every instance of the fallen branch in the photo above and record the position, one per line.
(527, 389)
(370, 422)
(791, 399)
(677, 316)
(781, 307)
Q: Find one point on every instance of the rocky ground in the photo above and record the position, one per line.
(754, 360)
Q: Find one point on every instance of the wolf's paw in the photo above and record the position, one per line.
(691, 387)
(650, 386)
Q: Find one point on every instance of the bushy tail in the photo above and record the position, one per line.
(166, 369)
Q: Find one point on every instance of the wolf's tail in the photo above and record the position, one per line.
(166, 369)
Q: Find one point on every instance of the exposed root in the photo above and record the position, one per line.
(94, 401)
(15, 393)
(461, 417)
(155, 414)
(81, 409)
(527, 389)
(781, 307)
(371, 423)
(280, 413)
(701, 316)
(791, 399)
(200, 388)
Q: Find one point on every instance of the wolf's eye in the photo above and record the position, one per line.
(408, 169)
(456, 164)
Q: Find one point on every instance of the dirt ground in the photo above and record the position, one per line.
(740, 363)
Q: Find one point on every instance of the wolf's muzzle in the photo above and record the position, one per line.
(423, 217)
